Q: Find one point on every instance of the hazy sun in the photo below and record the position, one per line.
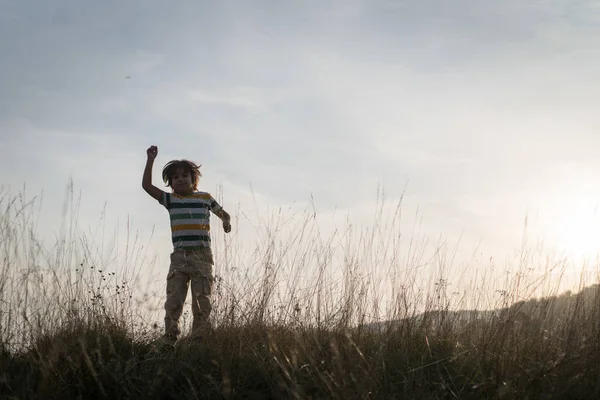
(578, 228)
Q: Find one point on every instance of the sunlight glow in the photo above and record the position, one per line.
(578, 228)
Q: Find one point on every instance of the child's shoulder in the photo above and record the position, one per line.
(195, 195)
(202, 195)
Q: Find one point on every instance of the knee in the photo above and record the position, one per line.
(203, 300)
(206, 304)
(173, 303)
(202, 306)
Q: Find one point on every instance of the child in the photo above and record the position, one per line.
(192, 259)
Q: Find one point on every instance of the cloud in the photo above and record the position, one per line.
(471, 103)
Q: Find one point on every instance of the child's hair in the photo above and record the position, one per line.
(188, 166)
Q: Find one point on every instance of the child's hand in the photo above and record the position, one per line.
(226, 226)
(152, 152)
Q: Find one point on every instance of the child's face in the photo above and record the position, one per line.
(181, 181)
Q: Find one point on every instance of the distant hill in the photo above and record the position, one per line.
(547, 311)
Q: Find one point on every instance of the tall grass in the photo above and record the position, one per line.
(307, 311)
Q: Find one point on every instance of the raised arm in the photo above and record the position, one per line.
(152, 190)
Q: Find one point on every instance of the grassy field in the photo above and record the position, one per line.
(70, 328)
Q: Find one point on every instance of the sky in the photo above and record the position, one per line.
(482, 114)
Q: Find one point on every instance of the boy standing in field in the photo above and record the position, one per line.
(192, 259)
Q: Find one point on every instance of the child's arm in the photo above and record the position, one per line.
(152, 190)
(226, 218)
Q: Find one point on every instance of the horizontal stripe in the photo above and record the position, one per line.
(192, 201)
(190, 205)
(190, 227)
(178, 232)
(198, 195)
(189, 221)
(190, 233)
(188, 238)
(189, 215)
(192, 245)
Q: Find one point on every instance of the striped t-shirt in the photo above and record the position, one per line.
(190, 218)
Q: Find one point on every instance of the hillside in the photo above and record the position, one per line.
(545, 348)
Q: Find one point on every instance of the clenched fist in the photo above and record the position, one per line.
(152, 152)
